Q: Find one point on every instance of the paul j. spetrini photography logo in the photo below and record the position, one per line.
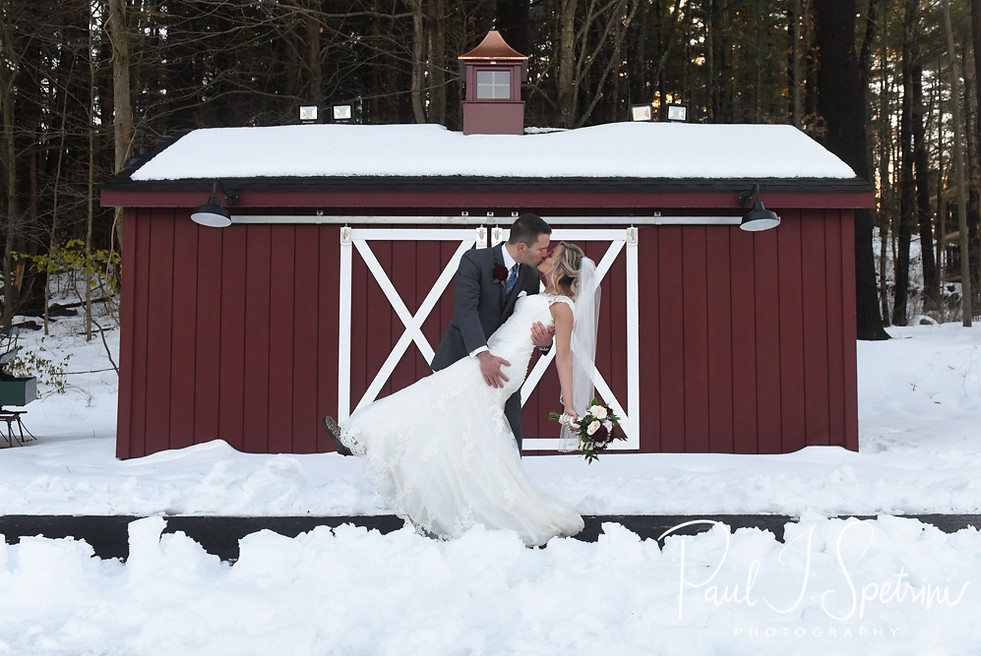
(813, 586)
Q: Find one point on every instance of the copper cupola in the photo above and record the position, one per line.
(492, 74)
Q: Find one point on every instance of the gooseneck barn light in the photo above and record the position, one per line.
(758, 218)
(212, 214)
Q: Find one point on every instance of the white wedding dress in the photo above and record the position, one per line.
(441, 452)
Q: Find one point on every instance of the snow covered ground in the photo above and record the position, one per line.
(885, 586)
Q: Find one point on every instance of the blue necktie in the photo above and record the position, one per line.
(512, 278)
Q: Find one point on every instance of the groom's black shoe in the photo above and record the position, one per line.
(335, 432)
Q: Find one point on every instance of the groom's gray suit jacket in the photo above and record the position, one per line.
(480, 306)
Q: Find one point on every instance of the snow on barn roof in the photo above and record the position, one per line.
(624, 150)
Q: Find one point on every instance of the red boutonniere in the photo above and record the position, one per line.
(500, 273)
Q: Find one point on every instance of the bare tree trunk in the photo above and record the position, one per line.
(924, 217)
(907, 188)
(53, 238)
(973, 78)
(8, 75)
(9, 291)
(966, 296)
(312, 22)
(566, 62)
(972, 171)
(793, 65)
(941, 212)
(90, 210)
(976, 37)
(418, 61)
(122, 122)
(885, 187)
(841, 99)
(437, 63)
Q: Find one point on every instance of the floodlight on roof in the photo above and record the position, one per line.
(677, 112)
(308, 113)
(643, 112)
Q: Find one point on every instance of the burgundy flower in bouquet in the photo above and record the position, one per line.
(597, 429)
(500, 273)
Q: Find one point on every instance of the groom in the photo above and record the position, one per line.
(488, 283)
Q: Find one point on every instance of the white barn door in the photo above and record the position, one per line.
(622, 243)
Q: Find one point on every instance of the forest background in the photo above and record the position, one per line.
(88, 88)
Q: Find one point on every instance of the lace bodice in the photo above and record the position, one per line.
(512, 340)
(528, 310)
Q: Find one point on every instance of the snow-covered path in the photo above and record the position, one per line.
(885, 586)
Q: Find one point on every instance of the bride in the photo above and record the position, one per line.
(441, 452)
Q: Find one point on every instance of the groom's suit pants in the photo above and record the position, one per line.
(512, 410)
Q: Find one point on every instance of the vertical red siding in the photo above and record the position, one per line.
(745, 389)
(207, 346)
(231, 376)
(281, 337)
(790, 303)
(850, 358)
(306, 422)
(649, 349)
(817, 357)
(695, 380)
(261, 347)
(836, 326)
(768, 343)
(721, 342)
(327, 297)
(670, 310)
(132, 347)
(182, 363)
(747, 340)
(159, 331)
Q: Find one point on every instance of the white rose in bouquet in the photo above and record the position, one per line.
(598, 411)
(593, 427)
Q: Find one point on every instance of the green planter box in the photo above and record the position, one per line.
(17, 391)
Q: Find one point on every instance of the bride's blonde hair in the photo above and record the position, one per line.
(565, 274)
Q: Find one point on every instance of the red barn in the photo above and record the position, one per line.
(330, 284)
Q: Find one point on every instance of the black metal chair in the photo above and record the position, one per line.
(14, 391)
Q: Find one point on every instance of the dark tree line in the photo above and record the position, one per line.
(86, 85)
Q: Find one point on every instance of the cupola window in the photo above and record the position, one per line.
(493, 84)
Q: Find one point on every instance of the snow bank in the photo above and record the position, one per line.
(885, 586)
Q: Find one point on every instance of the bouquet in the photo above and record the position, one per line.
(597, 428)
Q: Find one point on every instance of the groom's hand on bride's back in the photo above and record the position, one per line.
(490, 369)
